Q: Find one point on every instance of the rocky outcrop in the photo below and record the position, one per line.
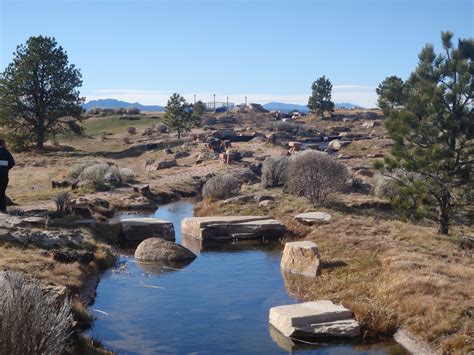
(311, 218)
(232, 227)
(314, 320)
(157, 249)
(138, 229)
(301, 258)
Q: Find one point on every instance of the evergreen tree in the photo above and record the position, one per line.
(433, 131)
(39, 94)
(390, 93)
(198, 110)
(320, 100)
(178, 115)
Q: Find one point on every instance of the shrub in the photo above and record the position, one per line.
(30, 321)
(133, 111)
(132, 130)
(118, 176)
(275, 171)
(103, 136)
(76, 170)
(315, 176)
(221, 187)
(126, 140)
(148, 131)
(63, 202)
(385, 186)
(95, 174)
(282, 126)
(161, 128)
(127, 175)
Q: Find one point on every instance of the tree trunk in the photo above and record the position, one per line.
(179, 134)
(443, 215)
(40, 135)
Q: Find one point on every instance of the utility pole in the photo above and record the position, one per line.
(195, 99)
(214, 102)
(227, 102)
(245, 100)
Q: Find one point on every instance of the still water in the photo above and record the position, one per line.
(217, 304)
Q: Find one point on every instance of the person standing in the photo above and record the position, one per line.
(6, 163)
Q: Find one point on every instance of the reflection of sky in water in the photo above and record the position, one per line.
(218, 304)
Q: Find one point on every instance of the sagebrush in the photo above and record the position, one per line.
(221, 187)
(30, 321)
(315, 176)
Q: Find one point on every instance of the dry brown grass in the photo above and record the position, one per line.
(391, 274)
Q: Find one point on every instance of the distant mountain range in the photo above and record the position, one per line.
(279, 106)
(283, 107)
(112, 103)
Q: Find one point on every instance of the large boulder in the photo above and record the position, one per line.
(157, 249)
(232, 227)
(311, 218)
(138, 229)
(301, 258)
(314, 320)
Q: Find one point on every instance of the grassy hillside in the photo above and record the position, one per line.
(94, 126)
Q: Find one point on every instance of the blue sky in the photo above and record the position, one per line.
(144, 50)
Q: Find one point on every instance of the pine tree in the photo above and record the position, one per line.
(320, 100)
(178, 115)
(198, 110)
(38, 92)
(433, 132)
(391, 94)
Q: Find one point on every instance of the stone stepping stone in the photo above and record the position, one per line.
(319, 319)
(232, 227)
(138, 229)
(301, 258)
(311, 218)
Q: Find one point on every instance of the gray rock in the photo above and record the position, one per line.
(157, 249)
(301, 258)
(166, 164)
(311, 218)
(314, 320)
(232, 227)
(138, 229)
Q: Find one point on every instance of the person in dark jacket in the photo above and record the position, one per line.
(6, 163)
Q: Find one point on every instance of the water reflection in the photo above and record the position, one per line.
(157, 268)
(297, 285)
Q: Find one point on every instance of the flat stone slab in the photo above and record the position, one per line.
(314, 320)
(138, 229)
(313, 218)
(232, 227)
(301, 258)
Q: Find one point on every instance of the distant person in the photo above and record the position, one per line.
(6, 163)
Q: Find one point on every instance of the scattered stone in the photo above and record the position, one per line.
(319, 319)
(368, 125)
(335, 145)
(182, 154)
(260, 198)
(266, 203)
(165, 164)
(311, 218)
(138, 229)
(157, 249)
(301, 258)
(232, 227)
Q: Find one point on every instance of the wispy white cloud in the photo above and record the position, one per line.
(363, 95)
